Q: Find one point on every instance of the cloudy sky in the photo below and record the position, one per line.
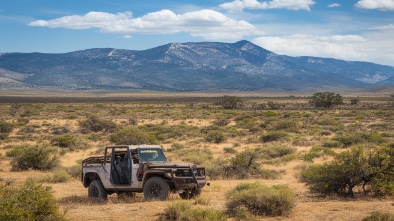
(356, 30)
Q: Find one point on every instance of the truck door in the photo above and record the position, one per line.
(120, 173)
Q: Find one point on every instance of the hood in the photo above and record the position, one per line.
(170, 165)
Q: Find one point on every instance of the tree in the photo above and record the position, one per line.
(359, 167)
(230, 102)
(326, 99)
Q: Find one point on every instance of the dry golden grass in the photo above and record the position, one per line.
(72, 196)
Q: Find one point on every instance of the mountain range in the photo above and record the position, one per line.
(203, 66)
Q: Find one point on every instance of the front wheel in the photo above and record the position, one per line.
(156, 188)
(97, 190)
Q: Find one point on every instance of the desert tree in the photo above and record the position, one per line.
(325, 99)
(230, 102)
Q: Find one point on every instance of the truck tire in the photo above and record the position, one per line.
(156, 188)
(97, 190)
(187, 194)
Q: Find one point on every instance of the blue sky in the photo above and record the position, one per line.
(355, 30)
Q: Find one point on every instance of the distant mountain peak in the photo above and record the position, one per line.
(241, 66)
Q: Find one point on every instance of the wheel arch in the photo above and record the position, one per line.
(89, 177)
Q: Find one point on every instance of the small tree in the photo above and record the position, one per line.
(96, 124)
(326, 99)
(230, 102)
(129, 135)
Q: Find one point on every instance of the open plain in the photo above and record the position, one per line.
(181, 124)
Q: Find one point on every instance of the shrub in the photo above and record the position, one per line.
(260, 200)
(75, 171)
(272, 136)
(65, 140)
(215, 136)
(182, 211)
(30, 201)
(221, 122)
(129, 135)
(57, 176)
(96, 124)
(379, 216)
(325, 99)
(5, 129)
(361, 166)
(33, 157)
(285, 125)
(243, 165)
(275, 151)
(230, 102)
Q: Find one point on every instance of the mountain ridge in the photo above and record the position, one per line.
(201, 66)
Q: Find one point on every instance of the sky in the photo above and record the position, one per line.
(353, 30)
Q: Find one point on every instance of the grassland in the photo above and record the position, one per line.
(181, 124)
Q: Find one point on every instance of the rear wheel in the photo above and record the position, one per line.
(97, 190)
(156, 188)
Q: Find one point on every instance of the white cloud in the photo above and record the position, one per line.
(333, 5)
(336, 46)
(237, 5)
(208, 24)
(384, 5)
(384, 27)
(127, 36)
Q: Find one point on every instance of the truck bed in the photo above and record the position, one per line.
(92, 161)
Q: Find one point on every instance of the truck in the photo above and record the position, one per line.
(130, 169)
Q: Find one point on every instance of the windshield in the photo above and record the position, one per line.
(150, 155)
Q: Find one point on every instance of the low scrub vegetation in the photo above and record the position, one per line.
(30, 201)
(183, 211)
(34, 157)
(254, 199)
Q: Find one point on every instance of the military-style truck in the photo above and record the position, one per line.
(127, 169)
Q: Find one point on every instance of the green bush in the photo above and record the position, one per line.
(326, 99)
(30, 201)
(64, 140)
(129, 135)
(96, 124)
(243, 165)
(57, 176)
(183, 212)
(33, 157)
(230, 102)
(5, 129)
(215, 136)
(75, 171)
(272, 136)
(275, 151)
(379, 216)
(260, 200)
(364, 167)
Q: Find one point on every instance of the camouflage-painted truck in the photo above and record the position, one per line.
(127, 169)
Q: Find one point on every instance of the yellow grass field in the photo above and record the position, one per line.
(46, 119)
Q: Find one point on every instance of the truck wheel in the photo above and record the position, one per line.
(156, 188)
(97, 190)
(190, 194)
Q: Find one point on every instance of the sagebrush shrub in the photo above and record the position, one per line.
(260, 200)
(96, 124)
(33, 157)
(215, 136)
(30, 201)
(379, 216)
(129, 135)
(272, 136)
(182, 211)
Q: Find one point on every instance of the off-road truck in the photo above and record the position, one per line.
(127, 169)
